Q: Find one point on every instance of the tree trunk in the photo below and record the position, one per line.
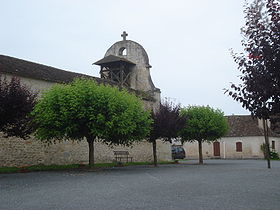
(200, 152)
(155, 152)
(90, 141)
(266, 138)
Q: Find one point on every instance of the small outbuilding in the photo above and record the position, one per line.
(244, 140)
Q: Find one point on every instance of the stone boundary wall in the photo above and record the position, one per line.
(18, 152)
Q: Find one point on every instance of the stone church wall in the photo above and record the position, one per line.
(18, 152)
(33, 84)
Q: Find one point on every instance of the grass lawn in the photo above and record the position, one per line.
(71, 166)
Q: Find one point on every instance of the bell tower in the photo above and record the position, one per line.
(127, 63)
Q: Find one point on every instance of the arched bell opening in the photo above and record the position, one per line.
(122, 51)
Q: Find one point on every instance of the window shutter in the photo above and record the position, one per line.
(273, 145)
(238, 146)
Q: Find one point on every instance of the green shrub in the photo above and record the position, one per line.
(274, 155)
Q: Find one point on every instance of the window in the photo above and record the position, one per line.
(273, 145)
(238, 146)
(122, 51)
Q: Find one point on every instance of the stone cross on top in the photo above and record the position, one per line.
(124, 35)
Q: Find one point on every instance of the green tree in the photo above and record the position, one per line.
(84, 109)
(203, 124)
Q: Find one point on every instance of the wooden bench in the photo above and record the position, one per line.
(120, 155)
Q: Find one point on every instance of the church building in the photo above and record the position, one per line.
(125, 64)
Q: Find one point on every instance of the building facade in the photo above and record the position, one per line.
(243, 141)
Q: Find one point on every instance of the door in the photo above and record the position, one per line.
(216, 146)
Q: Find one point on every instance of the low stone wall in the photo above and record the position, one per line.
(18, 152)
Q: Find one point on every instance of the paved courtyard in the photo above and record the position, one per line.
(219, 184)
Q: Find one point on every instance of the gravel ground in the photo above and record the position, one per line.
(219, 184)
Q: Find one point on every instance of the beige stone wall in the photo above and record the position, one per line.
(250, 148)
(18, 152)
(34, 84)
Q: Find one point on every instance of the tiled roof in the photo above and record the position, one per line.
(245, 125)
(113, 59)
(29, 69)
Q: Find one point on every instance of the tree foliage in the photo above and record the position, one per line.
(167, 122)
(259, 91)
(203, 124)
(16, 103)
(84, 109)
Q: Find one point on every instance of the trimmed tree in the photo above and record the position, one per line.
(85, 110)
(259, 91)
(204, 124)
(16, 103)
(167, 122)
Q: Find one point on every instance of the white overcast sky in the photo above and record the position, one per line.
(187, 41)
